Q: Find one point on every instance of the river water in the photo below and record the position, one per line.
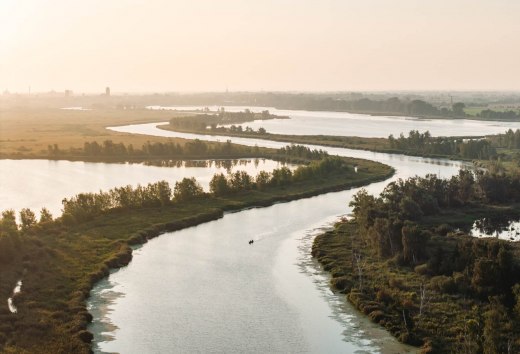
(205, 289)
(350, 124)
(44, 183)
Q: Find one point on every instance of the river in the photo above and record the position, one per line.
(350, 124)
(205, 289)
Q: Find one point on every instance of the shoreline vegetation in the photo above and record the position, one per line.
(504, 147)
(406, 260)
(60, 259)
(491, 106)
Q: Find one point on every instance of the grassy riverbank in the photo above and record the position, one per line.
(60, 261)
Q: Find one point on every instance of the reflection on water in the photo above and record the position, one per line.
(227, 165)
(502, 228)
(36, 184)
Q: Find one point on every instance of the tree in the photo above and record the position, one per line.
(45, 216)
(27, 218)
(458, 109)
(8, 224)
(413, 243)
(219, 185)
(187, 189)
(262, 180)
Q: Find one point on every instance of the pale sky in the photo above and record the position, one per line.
(308, 45)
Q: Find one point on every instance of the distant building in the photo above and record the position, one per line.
(107, 91)
(68, 93)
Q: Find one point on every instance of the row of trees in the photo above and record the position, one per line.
(153, 149)
(509, 140)
(499, 115)
(85, 206)
(425, 144)
(201, 122)
(221, 185)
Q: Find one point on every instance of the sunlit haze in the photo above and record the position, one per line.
(202, 45)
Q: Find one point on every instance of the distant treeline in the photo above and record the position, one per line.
(480, 148)
(201, 122)
(509, 140)
(152, 149)
(499, 115)
(425, 144)
(192, 148)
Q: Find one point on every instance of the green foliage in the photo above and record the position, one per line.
(498, 115)
(219, 185)
(27, 219)
(45, 216)
(187, 189)
(425, 144)
(213, 122)
(8, 226)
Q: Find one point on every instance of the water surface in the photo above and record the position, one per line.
(44, 183)
(205, 289)
(363, 125)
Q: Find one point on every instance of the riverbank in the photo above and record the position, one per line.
(63, 261)
(456, 296)
(382, 145)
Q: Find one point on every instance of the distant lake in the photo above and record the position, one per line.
(363, 125)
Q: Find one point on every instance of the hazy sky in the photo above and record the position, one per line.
(198, 45)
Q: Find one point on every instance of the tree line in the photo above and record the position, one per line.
(196, 147)
(425, 144)
(214, 122)
(85, 206)
(499, 115)
(509, 140)
(202, 122)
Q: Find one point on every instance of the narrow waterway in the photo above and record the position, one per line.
(205, 289)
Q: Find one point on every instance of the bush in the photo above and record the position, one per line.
(422, 269)
(443, 284)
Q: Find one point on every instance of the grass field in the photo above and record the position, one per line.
(29, 131)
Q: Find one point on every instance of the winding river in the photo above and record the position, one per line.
(205, 289)
(351, 124)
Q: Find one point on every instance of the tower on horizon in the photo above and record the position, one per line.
(107, 91)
